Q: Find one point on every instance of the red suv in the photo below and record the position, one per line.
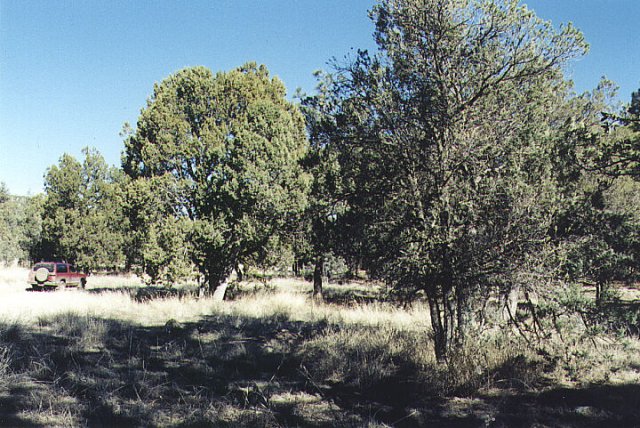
(56, 274)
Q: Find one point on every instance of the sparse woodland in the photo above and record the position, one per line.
(444, 233)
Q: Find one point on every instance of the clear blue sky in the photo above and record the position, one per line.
(73, 71)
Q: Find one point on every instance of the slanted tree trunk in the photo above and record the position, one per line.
(220, 291)
(216, 281)
(319, 278)
(511, 303)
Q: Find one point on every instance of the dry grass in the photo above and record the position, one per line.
(111, 297)
(273, 357)
(107, 297)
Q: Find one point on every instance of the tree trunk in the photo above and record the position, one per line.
(240, 271)
(511, 303)
(215, 282)
(463, 313)
(319, 278)
(601, 289)
(439, 327)
(220, 291)
(295, 268)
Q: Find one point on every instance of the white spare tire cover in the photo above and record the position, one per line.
(42, 274)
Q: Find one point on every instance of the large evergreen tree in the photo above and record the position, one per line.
(227, 150)
(445, 142)
(83, 222)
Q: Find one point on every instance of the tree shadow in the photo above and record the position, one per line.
(10, 406)
(240, 371)
(591, 406)
(147, 293)
(115, 373)
(346, 296)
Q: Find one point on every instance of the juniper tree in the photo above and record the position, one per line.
(444, 140)
(227, 148)
(597, 164)
(19, 225)
(83, 220)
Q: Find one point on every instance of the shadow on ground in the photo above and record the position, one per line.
(234, 371)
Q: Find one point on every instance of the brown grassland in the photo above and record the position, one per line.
(121, 354)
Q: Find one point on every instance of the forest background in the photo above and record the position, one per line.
(455, 164)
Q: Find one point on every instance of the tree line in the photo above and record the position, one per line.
(455, 163)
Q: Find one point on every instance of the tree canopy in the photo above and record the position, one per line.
(443, 138)
(227, 148)
(20, 226)
(83, 222)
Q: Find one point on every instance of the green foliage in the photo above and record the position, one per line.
(4, 193)
(83, 220)
(614, 147)
(276, 256)
(20, 226)
(634, 106)
(227, 149)
(596, 225)
(331, 225)
(157, 240)
(445, 145)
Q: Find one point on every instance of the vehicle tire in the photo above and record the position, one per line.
(42, 274)
(83, 283)
(62, 285)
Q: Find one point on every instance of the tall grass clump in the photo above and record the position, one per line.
(5, 364)
(85, 333)
(493, 359)
(360, 357)
(373, 360)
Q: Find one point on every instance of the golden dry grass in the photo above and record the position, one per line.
(269, 357)
(110, 297)
(106, 297)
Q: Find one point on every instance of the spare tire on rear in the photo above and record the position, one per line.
(42, 274)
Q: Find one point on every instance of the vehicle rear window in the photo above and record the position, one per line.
(48, 266)
(62, 268)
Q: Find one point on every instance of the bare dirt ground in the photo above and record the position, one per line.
(113, 356)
